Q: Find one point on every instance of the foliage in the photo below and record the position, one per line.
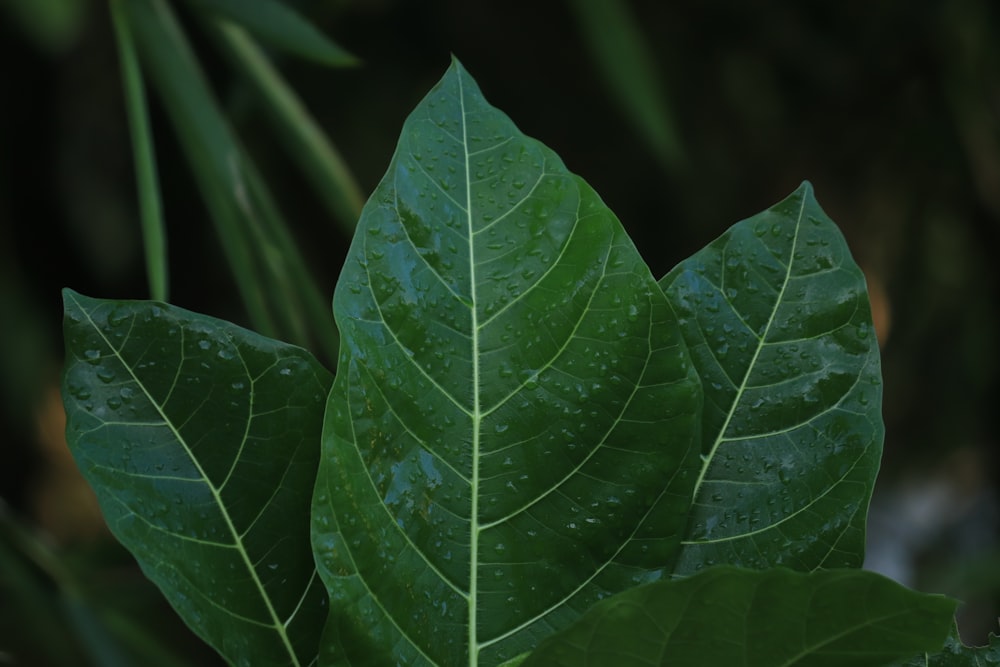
(529, 441)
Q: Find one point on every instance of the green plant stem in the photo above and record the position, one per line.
(308, 146)
(147, 180)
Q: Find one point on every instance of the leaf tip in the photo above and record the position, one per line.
(456, 65)
(70, 297)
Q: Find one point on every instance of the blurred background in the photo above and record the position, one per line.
(686, 117)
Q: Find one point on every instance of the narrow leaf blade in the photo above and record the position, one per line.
(512, 433)
(201, 441)
(281, 26)
(623, 58)
(731, 616)
(775, 313)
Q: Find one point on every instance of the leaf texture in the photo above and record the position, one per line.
(512, 433)
(201, 441)
(775, 314)
(772, 618)
(955, 654)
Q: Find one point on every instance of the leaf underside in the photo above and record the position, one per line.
(512, 432)
(201, 441)
(776, 317)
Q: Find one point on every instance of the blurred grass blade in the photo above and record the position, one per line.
(280, 26)
(305, 141)
(98, 643)
(147, 180)
(239, 203)
(204, 135)
(621, 54)
(61, 618)
(31, 600)
(305, 311)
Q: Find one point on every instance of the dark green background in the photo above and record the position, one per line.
(892, 110)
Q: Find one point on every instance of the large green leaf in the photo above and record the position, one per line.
(512, 433)
(201, 440)
(776, 316)
(774, 618)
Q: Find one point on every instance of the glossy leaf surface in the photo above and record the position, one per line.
(776, 317)
(731, 616)
(511, 435)
(201, 440)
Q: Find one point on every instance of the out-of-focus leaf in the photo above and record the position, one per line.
(512, 433)
(52, 24)
(270, 272)
(31, 604)
(775, 314)
(279, 25)
(99, 644)
(201, 441)
(772, 618)
(303, 139)
(147, 181)
(50, 610)
(622, 57)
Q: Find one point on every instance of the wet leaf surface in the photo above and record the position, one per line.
(775, 313)
(524, 424)
(512, 432)
(201, 440)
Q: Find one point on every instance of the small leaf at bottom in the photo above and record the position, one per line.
(732, 616)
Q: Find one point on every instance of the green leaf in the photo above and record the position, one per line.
(776, 317)
(201, 441)
(512, 433)
(731, 616)
(955, 654)
(279, 25)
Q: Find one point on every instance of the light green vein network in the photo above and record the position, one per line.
(276, 622)
(707, 459)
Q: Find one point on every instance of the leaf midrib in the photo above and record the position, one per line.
(237, 540)
(708, 458)
(476, 412)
